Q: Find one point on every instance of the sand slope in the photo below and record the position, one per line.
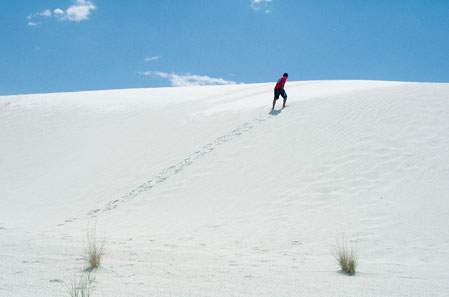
(201, 191)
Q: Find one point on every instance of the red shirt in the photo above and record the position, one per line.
(280, 84)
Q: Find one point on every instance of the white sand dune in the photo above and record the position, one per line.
(201, 191)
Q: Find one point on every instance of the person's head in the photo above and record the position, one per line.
(285, 74)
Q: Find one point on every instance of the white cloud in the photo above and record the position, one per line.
(259, 4)
(46, 13)
(187, 79)
(32, 24)
(148, 59)
(79, 11)
(58, 11)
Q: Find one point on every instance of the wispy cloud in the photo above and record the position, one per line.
(187, 79)
(32, 24)
(58, 11)
(261, 4)
(149, 59)
(46, 13)
(79, 11)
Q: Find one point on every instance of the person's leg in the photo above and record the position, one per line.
(284, 95)
(276, 96)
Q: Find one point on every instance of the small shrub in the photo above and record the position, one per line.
(347, 259)
(95, 250)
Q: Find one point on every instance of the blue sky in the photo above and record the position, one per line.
(75, 45)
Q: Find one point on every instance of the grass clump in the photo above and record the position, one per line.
(81, 286)
(346, 257)
(95, 250)
(347, 260)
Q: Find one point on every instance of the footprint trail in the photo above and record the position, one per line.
(180, 166)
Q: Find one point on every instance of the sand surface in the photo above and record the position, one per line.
(202, 191)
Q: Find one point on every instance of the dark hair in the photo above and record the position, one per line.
(285, 74)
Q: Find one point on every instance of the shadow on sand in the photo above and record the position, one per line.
(276, 111)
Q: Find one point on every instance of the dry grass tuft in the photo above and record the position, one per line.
(346, 257)
(81, 286)
(347, 260)
(95, 250)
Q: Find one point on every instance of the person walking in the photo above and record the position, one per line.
(279, 90)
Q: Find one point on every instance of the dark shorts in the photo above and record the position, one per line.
(278, 92)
